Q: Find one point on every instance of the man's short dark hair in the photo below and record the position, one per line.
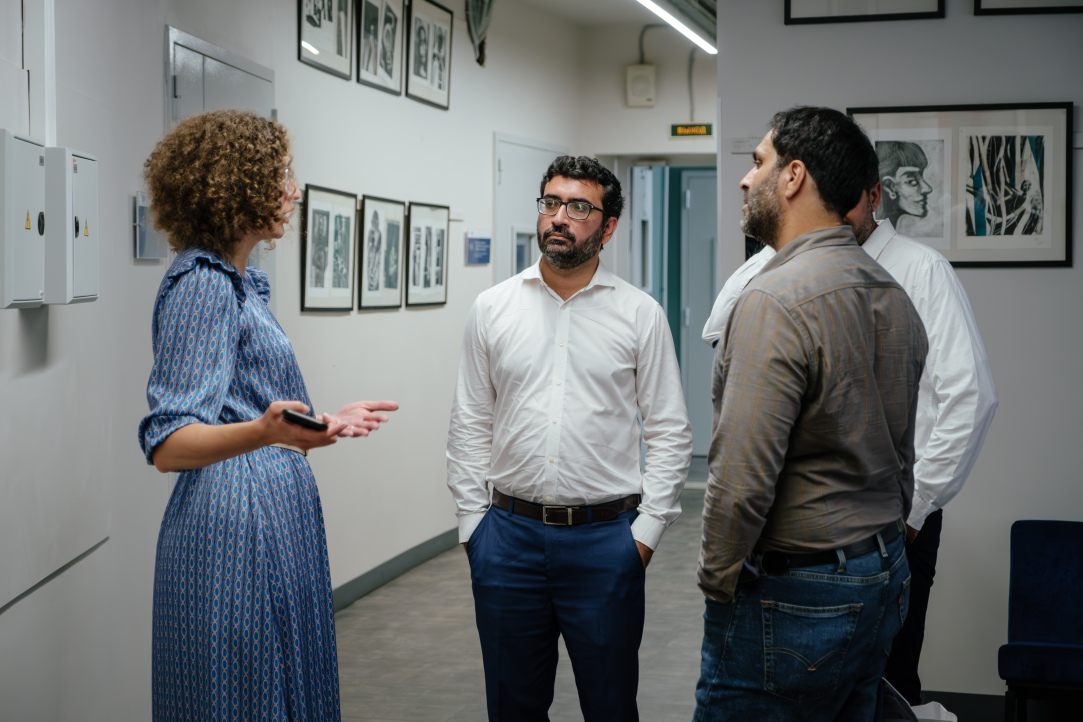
(895, 154)
(834, 149)
(585, 168)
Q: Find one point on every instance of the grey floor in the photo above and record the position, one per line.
(410, 651)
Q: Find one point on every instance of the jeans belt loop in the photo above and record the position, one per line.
(880, 541)
(842, 561)
(511, 505)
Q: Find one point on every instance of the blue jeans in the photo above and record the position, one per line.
(806, 644)
(533, 583)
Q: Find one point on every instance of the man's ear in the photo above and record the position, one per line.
(874, 197)
(792, 178)
(610, 228)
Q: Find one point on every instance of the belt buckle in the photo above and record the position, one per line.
(545, 515)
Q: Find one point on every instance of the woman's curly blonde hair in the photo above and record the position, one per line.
(216, 176)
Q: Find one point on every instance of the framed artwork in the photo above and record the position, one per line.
(1026, 7)
(327, 250)
(428, 76)
(324, 37)
(426, 258)
(801, 12)
(379, 277)
(379, 44)
(986, 185)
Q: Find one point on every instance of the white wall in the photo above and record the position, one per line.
(1029, 318)
(79, 647)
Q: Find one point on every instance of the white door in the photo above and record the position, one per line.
(520, 165)
(698, 234)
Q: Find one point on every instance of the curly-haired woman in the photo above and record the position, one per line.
(243, 621)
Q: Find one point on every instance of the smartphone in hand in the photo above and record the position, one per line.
(302, 420)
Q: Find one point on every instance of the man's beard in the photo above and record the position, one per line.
(866, 228)
(763, 219)
(570, 254)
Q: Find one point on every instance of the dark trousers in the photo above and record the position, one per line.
(533, 583)
(902, 665)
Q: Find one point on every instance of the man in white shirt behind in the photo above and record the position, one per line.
(956, 402)
(557, 363)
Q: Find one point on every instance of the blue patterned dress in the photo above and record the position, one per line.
(244, 626)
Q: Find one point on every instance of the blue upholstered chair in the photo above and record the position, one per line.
(1043, 658)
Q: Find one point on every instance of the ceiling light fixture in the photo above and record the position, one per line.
(679, 26)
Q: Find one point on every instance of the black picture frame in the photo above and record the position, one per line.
(389, 13)
(325, 287)
(1029, 145)
(317, 28)
(1025, 8)
(427, 255)
(423, 84)
(790, 19)
(385, 246)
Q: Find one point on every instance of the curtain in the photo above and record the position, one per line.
(478, 15)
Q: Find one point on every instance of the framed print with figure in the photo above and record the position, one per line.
(327, 249)
(324, 35)
(986, 185)
(379, 278)
(802, 12)
(426, 255)
(379, 44)
(1026, 7)
(428, 76)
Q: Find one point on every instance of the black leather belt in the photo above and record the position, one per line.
(776, 562)
(565, 515)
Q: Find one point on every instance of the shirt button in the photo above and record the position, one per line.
(551, 459)
(554, 421)
(562, 344)
(548, 498)
(558, 383)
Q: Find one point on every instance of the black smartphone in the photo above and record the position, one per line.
(301, 420)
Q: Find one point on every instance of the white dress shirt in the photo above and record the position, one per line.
(956, 396)
(546, 405)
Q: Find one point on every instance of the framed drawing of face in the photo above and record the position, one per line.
(986, 185)
(327, 250)
(426, 255)
(379, 279)
(380, 39)
(428, 77)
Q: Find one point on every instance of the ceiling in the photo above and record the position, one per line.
(595, 12)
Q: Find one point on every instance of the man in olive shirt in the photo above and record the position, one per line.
(811, 461)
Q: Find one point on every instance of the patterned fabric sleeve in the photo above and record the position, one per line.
(196, 331)
(261, 282)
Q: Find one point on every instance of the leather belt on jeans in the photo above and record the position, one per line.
(775, 562)
(565, 515)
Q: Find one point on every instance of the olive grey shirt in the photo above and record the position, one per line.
(814, 391)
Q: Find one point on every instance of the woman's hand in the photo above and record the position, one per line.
(362, 417)
(276, 430)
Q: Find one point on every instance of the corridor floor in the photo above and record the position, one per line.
(409, 651)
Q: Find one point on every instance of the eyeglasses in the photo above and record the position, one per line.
(577, 210)
(286, 182)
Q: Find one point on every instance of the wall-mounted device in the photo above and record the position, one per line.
(640, 86)
(22, 221)
(71, 239)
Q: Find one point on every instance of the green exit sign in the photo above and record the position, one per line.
(691, 130)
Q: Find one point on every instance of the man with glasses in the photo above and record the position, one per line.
(557, 363)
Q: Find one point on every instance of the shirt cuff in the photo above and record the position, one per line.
(647, 531)
(919, 512)
(467, 524)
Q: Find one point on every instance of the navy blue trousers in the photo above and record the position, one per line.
(533, 583)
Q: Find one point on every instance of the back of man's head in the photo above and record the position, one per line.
(835, 151)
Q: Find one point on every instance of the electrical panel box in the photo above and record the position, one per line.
(22, 221)
(71, 237)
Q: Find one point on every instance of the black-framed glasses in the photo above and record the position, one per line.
(577, 210)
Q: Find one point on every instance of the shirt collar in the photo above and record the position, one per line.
(820, 238)
(602, 276)
(876, 243)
